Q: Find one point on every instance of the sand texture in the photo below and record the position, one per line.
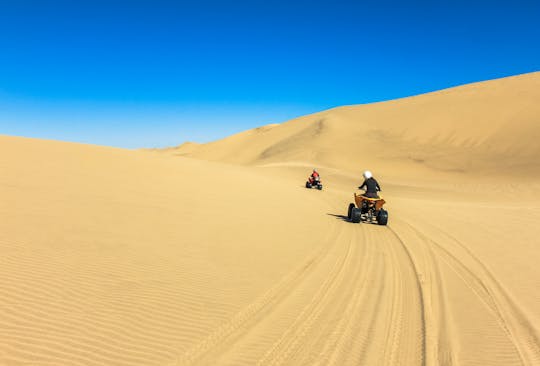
(216, 254)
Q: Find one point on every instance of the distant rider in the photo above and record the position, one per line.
(315, 175)
(371, 185)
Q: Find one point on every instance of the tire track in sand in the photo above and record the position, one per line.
(294, 342)
(224, 335)
(368, 314)
(368, 309)
(409, 297)
(491, 293)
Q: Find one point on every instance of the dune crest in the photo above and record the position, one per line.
(487, 127)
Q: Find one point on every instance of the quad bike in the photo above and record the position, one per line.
(314, 182)
(367, 210)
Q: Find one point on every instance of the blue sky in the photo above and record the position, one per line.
(157, 73)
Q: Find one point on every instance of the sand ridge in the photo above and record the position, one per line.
(490, 127)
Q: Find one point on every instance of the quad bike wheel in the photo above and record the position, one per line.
(356, 215)
(308, 185)
(382, 217)
(349, 210)
(319, 187)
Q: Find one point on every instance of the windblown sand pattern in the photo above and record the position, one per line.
(215, 254)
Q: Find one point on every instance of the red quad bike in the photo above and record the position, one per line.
(314, 182)
(368, 210)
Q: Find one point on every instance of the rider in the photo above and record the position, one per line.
(372, 187)
(314, 175)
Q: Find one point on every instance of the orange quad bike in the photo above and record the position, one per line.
(368, 210)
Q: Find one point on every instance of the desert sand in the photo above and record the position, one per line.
(216, 254)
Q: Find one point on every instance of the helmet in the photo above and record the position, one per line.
(314, 169)
(367, 174)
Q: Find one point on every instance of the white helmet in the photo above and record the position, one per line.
(367, 174)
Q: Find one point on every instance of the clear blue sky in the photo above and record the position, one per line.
(157, 73)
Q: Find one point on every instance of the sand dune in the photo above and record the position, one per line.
(117, 257)
(485, 127)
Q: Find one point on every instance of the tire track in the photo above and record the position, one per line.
(294, 339)
(400, 332)
(249, 314)
(417, 288)
(342, 321)
(394, 308)
(438, 347)
(338, 344)
(488, 289)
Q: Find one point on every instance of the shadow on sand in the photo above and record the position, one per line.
(346, 219)
(339, 217)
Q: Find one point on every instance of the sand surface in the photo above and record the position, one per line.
(216, 254)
